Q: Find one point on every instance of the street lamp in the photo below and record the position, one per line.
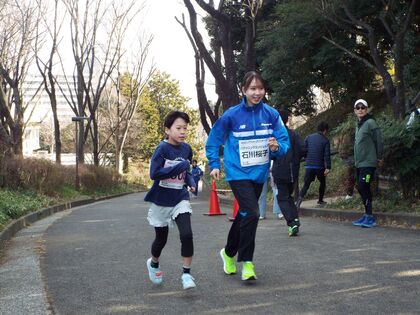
(77, 120)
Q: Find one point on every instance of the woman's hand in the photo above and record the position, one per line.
(215, 174)
(272, 144)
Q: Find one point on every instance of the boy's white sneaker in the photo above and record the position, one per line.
(280, 216)
(187, 281)
(155, 275)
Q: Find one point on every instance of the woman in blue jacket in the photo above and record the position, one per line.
(251, 133)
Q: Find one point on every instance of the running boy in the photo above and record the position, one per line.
(197, 174)
(169, 196)
(250, 132)
(285, 173)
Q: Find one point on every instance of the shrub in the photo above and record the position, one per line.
(100, 179)
(402, 153)
(401, 150)
(40, 175)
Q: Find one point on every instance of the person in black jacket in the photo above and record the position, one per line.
(318, 162)
(285, 172)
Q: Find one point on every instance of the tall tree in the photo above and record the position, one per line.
(381, 26)
(162, 95)
(221, 58)
(18, 22)
(45, 65)
(295, 59)
(123, 100)
(95, 58)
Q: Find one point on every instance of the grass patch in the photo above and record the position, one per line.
(14, 204)
(384, 203)
(32, 184)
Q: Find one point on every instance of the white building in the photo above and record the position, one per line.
(39, 110)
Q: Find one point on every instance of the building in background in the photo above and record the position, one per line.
(39, 112)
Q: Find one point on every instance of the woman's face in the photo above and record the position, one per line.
(254, 93)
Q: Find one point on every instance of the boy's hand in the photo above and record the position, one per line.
(326, 172)
(192, 189)
(215, 174)
(272, 144)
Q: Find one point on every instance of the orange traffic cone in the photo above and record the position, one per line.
(214, 208)
(235, 209)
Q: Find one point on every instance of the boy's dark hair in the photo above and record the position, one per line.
(249, 76)
(284, 114)
(194, 161)
(172, 116)
(322, 126)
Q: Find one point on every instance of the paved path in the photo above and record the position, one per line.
(91, 260)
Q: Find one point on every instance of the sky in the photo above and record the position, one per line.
(171, 49)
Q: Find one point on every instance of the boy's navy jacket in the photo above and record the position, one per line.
(196, 172)
(318, 153)
(169, 169)
(286, 168)
(245, 131)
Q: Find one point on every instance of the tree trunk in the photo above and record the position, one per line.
(399, 103)
(118, 159)
(125, 163)
(57, 135)
(95, 143)
(225, 76)
(81, 143)
(17, 136)
(249, 49)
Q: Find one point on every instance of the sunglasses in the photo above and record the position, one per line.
(360, 107)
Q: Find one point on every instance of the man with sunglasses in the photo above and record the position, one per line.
(368, 149)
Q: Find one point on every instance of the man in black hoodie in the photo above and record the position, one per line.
(318, 162)
(285, 172)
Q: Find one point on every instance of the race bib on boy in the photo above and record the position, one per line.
(253, 152)
(175, 182)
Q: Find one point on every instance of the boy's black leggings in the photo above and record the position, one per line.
(286, 202)
(183, 221)
(310, 174)
(364, 178)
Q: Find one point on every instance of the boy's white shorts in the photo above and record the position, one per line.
(159, 216)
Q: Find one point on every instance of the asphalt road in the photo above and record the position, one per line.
(91, 260)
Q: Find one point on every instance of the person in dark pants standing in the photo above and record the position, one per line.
(318, 162)
(285, 173)
(368, 149)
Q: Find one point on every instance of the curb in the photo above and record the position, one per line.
(401, 220)
(15, 226)
(383, 219)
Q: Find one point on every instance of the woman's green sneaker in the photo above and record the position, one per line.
(228, 263)
(248, 272)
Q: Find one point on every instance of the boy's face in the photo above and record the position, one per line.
(178, 131)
